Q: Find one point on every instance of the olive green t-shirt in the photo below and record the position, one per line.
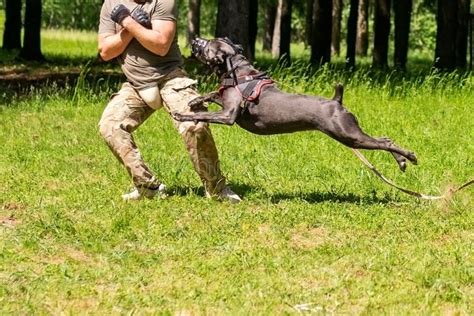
(143, 68)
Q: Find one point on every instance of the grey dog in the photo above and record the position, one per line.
(250, 99)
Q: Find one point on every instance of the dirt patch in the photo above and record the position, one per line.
(184, 312)
(308, 238)
(53, 185)
(450, 310)
(21, 79)
(13, 206)
(448, 239)
(79, 256)
(86, 305)
(20, 75)
(9, 222)
(62, 256)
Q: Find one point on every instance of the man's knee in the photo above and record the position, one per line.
(105, 129)
(112, 132)
(191, 127)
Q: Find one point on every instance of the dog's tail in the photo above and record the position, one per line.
(339, 93)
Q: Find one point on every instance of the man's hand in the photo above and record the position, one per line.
(119, 13)
(142, 17)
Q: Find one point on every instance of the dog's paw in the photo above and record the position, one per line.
(402, 165)
(196, 104)
(177, 116)
(412, 157)
(180, 117)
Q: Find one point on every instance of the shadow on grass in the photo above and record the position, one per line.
(245, 190)
(334, 197)
(185, 190)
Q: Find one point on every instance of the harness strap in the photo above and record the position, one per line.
(249, 86)
(228, 82)
(252, 91)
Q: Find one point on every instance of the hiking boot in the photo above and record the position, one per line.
(142, 192)
(226, 195)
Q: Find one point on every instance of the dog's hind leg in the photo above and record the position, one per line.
(402, 161)
(365, 141)
(346, 130)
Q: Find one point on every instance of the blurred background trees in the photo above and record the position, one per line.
(385, 30)
(31, 48)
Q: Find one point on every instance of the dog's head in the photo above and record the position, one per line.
(214, 52)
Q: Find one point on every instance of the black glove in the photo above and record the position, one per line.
(142, 17)
(119, 12)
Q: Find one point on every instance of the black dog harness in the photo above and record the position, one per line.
(249, 86)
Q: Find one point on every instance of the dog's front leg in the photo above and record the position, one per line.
(227, 116)
(198, 103)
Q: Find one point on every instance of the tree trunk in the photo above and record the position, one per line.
(362, 42)
(194, 20)
(445, 56)
(322, 29)
(452, 35)
(12, 31)
(471, 43)
(309, 21)
(253, 26)
(381, 33)
(462, 33)
(269, 25)
(336, 27)
(282, 31)
(233, 22)
(32, 39)
(352, 34)
(402, 10)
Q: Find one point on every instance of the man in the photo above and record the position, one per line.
(142, 35)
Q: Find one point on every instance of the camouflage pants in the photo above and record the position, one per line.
(126, 111)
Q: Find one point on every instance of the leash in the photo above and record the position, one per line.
(407, 191)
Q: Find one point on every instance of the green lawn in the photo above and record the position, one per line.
(315, 226)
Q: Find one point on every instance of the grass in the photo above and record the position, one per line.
(315, 227)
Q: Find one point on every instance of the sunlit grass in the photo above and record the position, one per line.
(74, 44)
(315, 227)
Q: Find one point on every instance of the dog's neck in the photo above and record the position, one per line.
(241, 67)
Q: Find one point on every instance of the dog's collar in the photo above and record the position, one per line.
(236, 81)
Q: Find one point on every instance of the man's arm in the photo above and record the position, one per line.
(158, 40)
(112, 45)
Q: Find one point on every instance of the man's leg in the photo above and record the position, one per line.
(125, 112)
(176, 92)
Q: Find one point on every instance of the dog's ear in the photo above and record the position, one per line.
(239, 48)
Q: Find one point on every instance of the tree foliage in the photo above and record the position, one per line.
(423, 28)
(71, 14)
